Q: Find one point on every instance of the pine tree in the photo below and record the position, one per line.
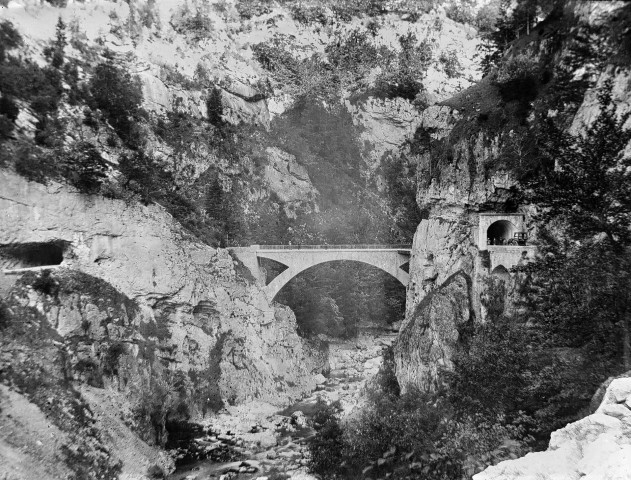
(580, 291)
(59, 45)
(589, 188)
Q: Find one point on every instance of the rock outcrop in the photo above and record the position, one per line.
(471, 150)
(289, 180)
(427, 343)
(215, 319)
(597, 447)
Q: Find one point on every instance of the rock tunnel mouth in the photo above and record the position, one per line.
(500, 232)
(33, 254)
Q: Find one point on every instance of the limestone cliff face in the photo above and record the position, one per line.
(595, 447)
(470, 149)
(214, 318)
(425, 345)
(179, 63)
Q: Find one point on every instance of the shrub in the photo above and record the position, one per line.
(9, 38)
(309, 15)
(6, 127)
(487, 17)
(5, 316)
(253, 8)
(90, 371)
(402, 78)
(347, 9)
(110, 360)
(461, 11)
(492, 374)
(28, 81)
(162, 398)
(119, 96)
(46, 284)
(326, 448)
(450, 63)
(9, 108)
(355, 54)
(84, 167)
(33, 164)
(214, 106)
(386, 381)
(158, 329)
(198, 26)
(517, 81)
(517, 67)
(305, 79)
(400, 180)
(416, 434)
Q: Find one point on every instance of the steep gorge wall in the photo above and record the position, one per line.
(470, 150)
(214, 317)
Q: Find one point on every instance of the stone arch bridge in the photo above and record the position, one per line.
(298, 258)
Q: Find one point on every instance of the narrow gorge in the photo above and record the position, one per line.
(284, 239)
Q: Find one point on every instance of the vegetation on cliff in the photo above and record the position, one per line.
(91, 131)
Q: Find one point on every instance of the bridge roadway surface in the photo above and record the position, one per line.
(298, 258)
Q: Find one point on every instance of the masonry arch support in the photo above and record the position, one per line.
(501, 272)
(277, 284)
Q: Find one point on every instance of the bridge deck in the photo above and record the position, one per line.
(370, 247)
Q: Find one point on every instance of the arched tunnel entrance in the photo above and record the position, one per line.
(500, 232)
(341, 299)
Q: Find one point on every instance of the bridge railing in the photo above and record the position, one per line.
(335, 247)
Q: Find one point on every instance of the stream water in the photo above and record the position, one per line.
(257, 440)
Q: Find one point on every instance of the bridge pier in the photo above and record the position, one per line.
(248, 257)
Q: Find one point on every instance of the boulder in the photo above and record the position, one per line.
(298, 419)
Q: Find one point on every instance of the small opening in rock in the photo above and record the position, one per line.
(35, 254)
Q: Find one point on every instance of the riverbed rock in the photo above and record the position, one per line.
(298, 418)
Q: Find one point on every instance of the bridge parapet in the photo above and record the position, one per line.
(334, 247)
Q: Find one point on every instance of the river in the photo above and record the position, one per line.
(257, 440)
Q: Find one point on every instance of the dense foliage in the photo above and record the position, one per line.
(585, 202)
(412, 434)
(510, 22)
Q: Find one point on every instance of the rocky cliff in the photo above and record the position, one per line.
(474, 148)
(596, 447)
(185, 55)
(136, 300)
(194, 289)
(427, 342)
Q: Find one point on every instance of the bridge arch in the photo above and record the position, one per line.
(282, 279)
